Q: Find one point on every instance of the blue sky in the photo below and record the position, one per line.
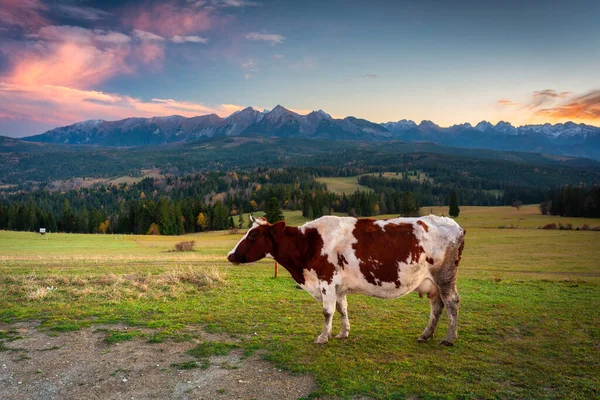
(447, 61)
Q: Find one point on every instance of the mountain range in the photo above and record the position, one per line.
(568, 139)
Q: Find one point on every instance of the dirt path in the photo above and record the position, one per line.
(81, 365)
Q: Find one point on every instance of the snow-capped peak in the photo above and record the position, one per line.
(483, 125)
(323, 113)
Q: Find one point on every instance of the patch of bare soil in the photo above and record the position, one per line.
(81, 365)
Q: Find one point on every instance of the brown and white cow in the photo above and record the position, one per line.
(333, 256)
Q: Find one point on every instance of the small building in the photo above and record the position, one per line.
(42, 231)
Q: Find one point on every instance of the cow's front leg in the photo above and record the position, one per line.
(329, 299)
(342, 307)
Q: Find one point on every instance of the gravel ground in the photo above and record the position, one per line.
(80, 365)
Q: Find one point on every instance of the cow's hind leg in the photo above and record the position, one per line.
(329, 300)
(437, 306)
(342, 307)
(451, 299)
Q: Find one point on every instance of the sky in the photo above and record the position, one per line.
(64, 61)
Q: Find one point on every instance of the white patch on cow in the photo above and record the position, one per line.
(312, 284)
(254, 225)
(338, 238)
(268, 255)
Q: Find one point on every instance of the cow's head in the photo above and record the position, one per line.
(257, 243)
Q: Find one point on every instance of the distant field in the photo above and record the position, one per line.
(343, 185)
(529, 325)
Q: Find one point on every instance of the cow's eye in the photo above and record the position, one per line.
(252, 235)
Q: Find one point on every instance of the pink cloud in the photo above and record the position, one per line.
(61, 105)
(150, 52)
(76, 64)
(26, 14)
(169, 20)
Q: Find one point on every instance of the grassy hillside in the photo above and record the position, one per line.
(343, 185)
(528, 326)
(55, 162)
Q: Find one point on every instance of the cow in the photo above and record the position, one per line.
(331, 257)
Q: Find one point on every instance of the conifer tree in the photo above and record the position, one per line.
(454, 210)
(273, 211)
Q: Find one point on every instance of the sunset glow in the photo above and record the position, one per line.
(65, 62)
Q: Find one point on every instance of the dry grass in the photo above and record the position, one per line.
(111, 286)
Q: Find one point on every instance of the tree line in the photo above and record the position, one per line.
(574, 201)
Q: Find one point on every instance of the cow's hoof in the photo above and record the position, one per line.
(447, 343)
(321, 340)
(423, 339)
(342, 335)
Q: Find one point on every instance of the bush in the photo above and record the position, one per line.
(153, 230)
(566, 227)
(185, 246)
(549, 226)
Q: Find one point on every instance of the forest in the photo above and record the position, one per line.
(171, 205)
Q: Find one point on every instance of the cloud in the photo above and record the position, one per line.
(169, 20)
(370, 76)
(267, 37)
(584, 108)
(80, 12)
(188, 39)
(505, 102)
(143, 35)
(76, 34)
(233, 3)
(150, 52)
(26, 14)
(278, 56)
(542, 97)
(61, 105)
(73, 63)
(250, 64)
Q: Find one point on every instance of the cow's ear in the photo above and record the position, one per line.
(277, 228)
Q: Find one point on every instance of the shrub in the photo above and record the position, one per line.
(153, 230)
(549, 226)
(185, 246)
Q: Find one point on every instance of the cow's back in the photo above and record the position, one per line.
(386, 258)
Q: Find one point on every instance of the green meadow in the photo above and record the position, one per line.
(343, 185)
(529, 325)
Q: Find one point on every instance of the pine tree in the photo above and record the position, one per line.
(273, 211)
(51, 223)
(68, 218)
(453, 209)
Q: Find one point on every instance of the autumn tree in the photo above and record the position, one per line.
(153, 230)
(202, 222)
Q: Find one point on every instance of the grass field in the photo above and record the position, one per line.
(343, 185)
(529, 324)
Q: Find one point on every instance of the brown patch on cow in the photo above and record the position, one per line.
(342, 260)
(424, 225)
(324, 291)
(298, 251)
(429, 260)
(379, 251)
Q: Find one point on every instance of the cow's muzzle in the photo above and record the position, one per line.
(234, 258)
